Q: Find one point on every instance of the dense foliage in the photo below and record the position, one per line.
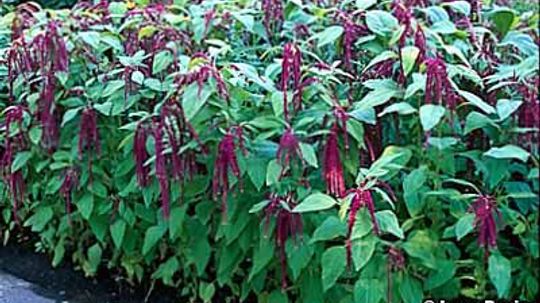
(344, 151)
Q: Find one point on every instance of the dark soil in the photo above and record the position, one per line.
(65, 284)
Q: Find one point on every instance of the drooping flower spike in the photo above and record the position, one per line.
(88, 133)
(14, 143)
(438, 84)
(226, 161)
(288, 225)
(141, 154)
(273, 16)
(200, 75)
(360, 197)
(70, 183)
(333, 167)
(396, 262)
(289, 148)
(291, 72)
(352, 30)
(485, 208)
(161, 166)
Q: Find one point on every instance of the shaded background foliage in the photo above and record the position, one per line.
(358, 151)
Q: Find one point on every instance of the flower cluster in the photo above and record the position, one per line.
(360, 197)
(170, 130)
(70, 183)
(13, 144)
(289, 148)
(291, 72)
(438, 84)
(484, 208)
(273, 16)
(288, 225)
(88, 14)
(226, 161)
(201, 74)
(333, 167)
(352, 30)
(88, 133)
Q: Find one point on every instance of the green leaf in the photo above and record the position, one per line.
(388, 222)
(20, 160)
(206, 291)
(257, 171)
(464, 226)
(112, 87)
(90, 37)
(162, 60)
(298, 256)
(315, 202)
(505, 108)
(259, 206)
(333, 265)
(362, 251)
(193, 99)
(273, 171)
(381, 23)
(94, 257)
(444, 272)
(430, 116)
(59, 252)
(86, 205)
(402, 108)
(137, 77)
(408, 57)
(368, 291)
(503, 18)
(499, 271)
(477, 101)
(331, 228)
(151, 237)
(118, 229)
(382, 92)
(176, 221)
(262, 255)
(410, 289)
(508, 152)
(476, 120)
(69, 115)
(411, 184)
(40, 218)
(35, 134)
(308, 154)
(329, 35)
(166, 271)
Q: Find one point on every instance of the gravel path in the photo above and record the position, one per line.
(15, 290)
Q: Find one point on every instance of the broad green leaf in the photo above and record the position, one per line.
(499, 271)
(388, 222)
(477, 120)
(410, 289)
(477, 101)
(508, 152)
(381, 22)
(273, 171)
(259, 206)
(430, 116)
(309, 155)
(94, 257)
(333, 265)
(112, 87)
(464, 226)
(315, 202)
(262, 255)
(503, 18)
(402, 108)
(442, 143)
(194, 99)
(176, 221)
(86, 205)
(505, 108)
(20, 160)
(362, 251)
(118, 230)
(444, 272)
(329, 35)
(69, 115)
(411, 184)
(162, 60)
(151, 237)
(40, 218)
(368, 291)
(206, 291)
(166, 271)
(298, 256)
(331, 228)
(408, 57)
(59, 251)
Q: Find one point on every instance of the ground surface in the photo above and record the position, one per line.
(27, 277)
